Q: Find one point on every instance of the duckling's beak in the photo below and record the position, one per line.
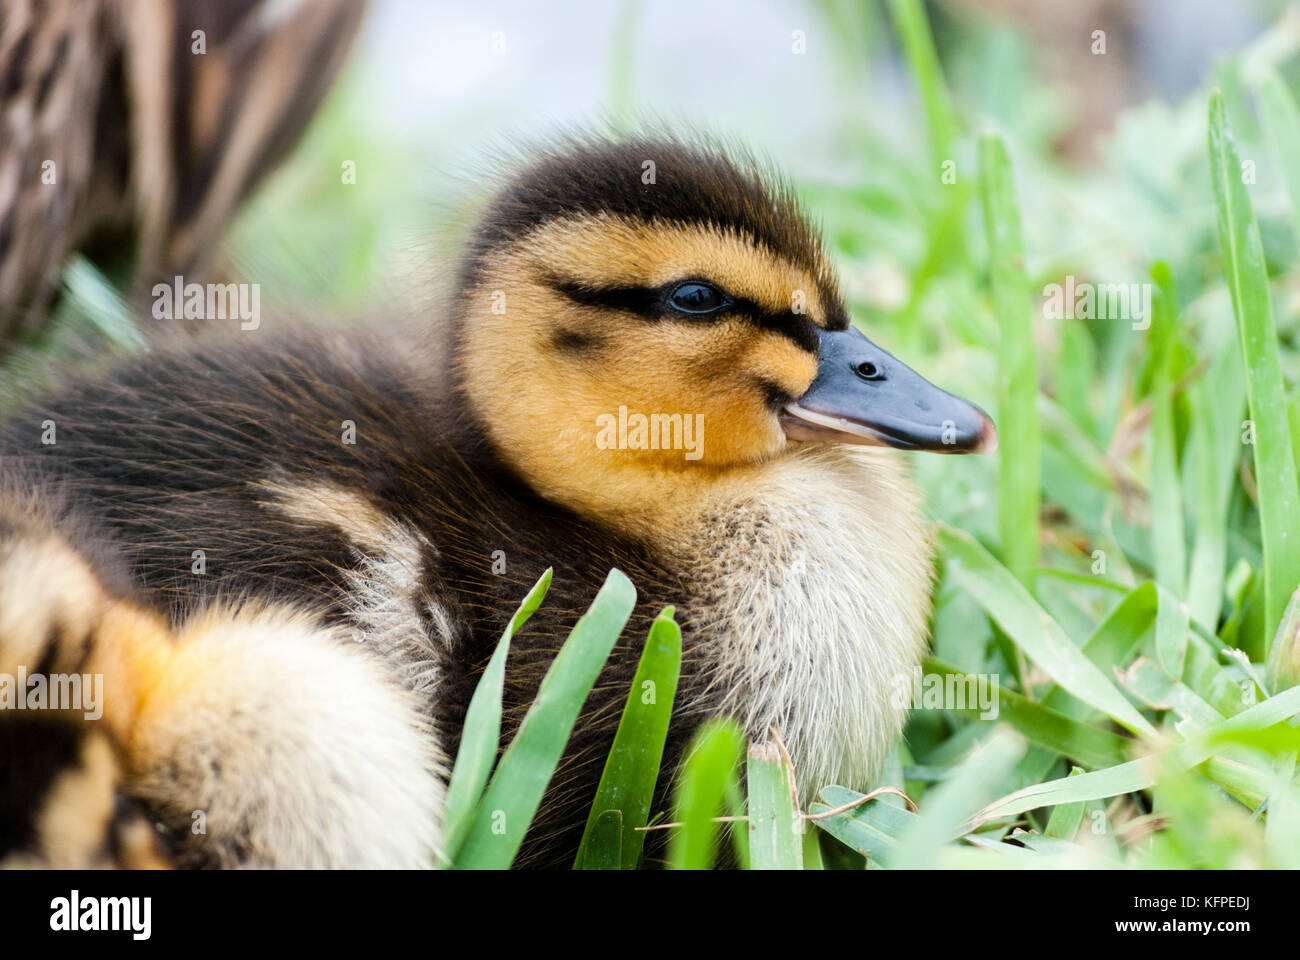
(863, 395)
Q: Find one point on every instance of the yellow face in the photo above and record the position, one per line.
(597, 343)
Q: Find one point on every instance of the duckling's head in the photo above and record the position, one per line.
(643, 316)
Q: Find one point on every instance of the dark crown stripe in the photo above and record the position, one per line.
(693, 185)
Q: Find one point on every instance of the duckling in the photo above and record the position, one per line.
(292, 556)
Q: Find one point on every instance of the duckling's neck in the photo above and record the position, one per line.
(810, 577)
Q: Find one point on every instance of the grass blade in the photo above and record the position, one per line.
(1172, 624)
(526, 767)
(632, 768)
(1281, 122)
(92, 297)
(914, 34)
(1019, 464)
(812, 851)
(1166, 494)
(872, 829)
(1206, 573)
(1152, 685)
(1113, 642)
(1282, 830)
(735, 805)
(1066, 818)
(482, 731)
(602, 847)
(1284, 660)
(1247, 276)
(713, 755)
(775, 842)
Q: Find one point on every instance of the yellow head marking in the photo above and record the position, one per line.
(592, 390)
(626, 341)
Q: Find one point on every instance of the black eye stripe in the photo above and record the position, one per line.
(643, 301)
(650, 303)
(795, 326)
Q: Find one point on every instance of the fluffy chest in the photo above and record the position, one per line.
(815, 592)
(807, 592)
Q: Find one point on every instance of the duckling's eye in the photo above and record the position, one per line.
(696, 297)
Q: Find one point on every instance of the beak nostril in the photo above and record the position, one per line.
(867, 370)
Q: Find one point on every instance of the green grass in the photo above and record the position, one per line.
(501, 817)
(1247, 276)
(627, 783)
(1017, 410)
(482, 732)
(775, 834)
